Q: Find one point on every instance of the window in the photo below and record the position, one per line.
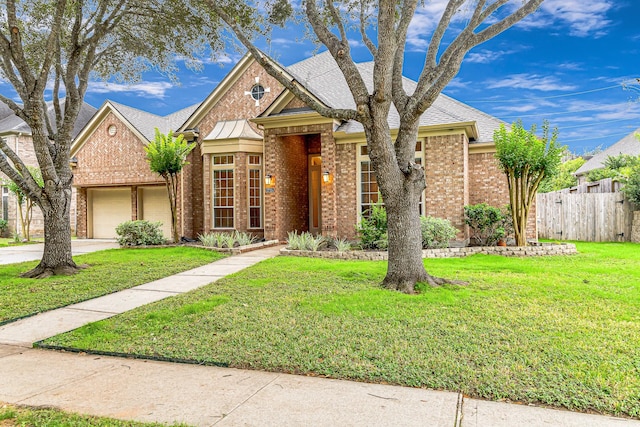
(257, 92)
(222, 188)
(5, 203)
(255, 192)
(369, 192)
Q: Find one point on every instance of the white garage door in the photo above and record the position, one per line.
(109, 207)
(154, 206)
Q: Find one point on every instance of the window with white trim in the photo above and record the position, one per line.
(368, 189)
(222, 168)
(255, 191)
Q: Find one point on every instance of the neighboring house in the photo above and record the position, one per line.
(18, 136)
(627, 145)
(267, 164)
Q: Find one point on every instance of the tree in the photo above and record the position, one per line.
(25, 214)
(564, 178)
(60, 45)
(525, 159)
(401, 180)
(167, 157)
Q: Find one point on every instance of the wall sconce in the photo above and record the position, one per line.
(326, 177)
(73, 162)
(269, 180)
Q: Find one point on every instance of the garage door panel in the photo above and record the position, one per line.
(110, 207)
(155, 207)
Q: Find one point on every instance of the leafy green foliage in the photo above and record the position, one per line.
(140, 233)
(487, 223)
(558, 330)
(618, 168)
(525, 159)
(3, 226)
(564, 178)
(436, 232)
(372, 228)
(167, 156)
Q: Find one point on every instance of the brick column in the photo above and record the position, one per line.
(81, 195)
(635, 228)
(329, 205)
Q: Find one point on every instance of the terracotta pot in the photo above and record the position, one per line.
(502, 242)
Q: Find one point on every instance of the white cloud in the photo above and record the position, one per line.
(145, 89)
(584, 18)
(530, 81)
(487, 56)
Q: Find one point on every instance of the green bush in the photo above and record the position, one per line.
(140, 233)
(632, 187)
(436, 232)
(226, 240)
(486, 223)
(372, 229)
(3, 226)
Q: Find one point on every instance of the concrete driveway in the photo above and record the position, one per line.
(12, 254)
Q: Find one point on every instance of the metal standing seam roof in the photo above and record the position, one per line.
(232, 129)
(322, 77)
(627, 145)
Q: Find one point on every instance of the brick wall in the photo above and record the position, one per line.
(346, 191)
(488, 184)
(446, 175)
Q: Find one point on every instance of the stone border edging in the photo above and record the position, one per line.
(540, 249)
(242, 249)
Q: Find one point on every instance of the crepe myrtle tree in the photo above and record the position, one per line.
(25, 204)
(400, 179)
(526, 160)
(55, 47)
(167, 156)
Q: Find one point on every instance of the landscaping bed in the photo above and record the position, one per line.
(559, 331)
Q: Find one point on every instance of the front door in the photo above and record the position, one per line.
(315, 194)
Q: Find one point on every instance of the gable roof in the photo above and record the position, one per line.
(140, 122)
(321, 76)
(10, 123)
(627, 145)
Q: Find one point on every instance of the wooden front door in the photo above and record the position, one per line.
(315, 194)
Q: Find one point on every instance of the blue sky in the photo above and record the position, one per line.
(574, 63)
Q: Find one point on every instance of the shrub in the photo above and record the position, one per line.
(304, 241)
(3, 226)
(436, 232)
(486, 222)
(342, 245)
(632, 187)
(140, 233)
(372, 229)
(226, 240)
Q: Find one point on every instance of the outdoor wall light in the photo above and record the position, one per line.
(269, 180)
(326, 176)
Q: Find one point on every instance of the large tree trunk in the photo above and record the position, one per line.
(57, 258)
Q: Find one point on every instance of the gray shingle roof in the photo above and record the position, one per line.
(627, 145)
(322, 77)
(146, 122)
(9, 122)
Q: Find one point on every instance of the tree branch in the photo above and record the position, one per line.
(363, 29)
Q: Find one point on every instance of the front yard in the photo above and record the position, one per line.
(559, 331)
(109, 271)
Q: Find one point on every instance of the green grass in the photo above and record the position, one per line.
(559, 331)
(109, 271)
(4, 242)
(11, 416)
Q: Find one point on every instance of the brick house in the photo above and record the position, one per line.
(17, 134)
(267, 164)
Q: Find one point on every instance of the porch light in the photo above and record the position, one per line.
(326, 176)
(269, 180)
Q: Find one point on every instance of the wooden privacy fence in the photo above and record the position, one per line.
(591, 217)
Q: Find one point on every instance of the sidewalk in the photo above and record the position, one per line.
(33, 252)
(206, 396)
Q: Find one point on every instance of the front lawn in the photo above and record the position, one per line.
(560, 331)
(11, 416)
(109, 271)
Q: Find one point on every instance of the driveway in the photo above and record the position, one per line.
(12, 254)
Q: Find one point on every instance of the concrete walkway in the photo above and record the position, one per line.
(33, 252)
(206, 396)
